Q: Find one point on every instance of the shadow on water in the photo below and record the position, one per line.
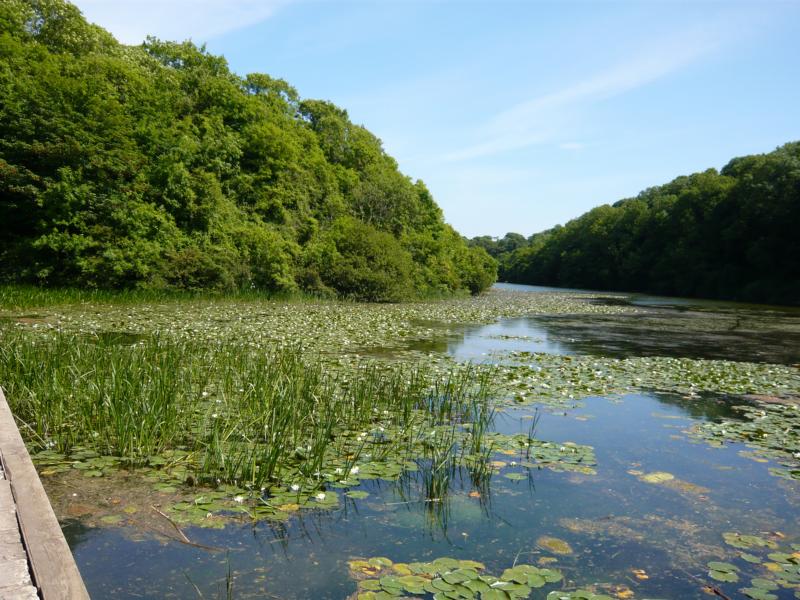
(722, 333)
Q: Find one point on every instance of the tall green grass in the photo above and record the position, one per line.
(246, 417)
(15, 297)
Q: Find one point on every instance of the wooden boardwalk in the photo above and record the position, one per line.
(35, 560)
(15, 576)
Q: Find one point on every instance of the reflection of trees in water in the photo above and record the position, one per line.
(759, 335)
(713, 407)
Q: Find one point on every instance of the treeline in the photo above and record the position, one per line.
(733, 234)
(155, 166)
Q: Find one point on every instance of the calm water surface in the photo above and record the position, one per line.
(613, 521)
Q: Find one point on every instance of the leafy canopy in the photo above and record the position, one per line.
(155, 166)
(731, 234)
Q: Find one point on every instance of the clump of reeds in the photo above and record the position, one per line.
(243, 416)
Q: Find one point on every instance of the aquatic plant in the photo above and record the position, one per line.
(772, 430)
(380, 578)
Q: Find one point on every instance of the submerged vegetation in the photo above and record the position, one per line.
(155, 166)
(729, 234)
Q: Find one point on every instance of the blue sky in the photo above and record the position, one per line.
(518, 115)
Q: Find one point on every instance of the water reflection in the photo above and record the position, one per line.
(658, 332)
(525, 334)
(671, 327)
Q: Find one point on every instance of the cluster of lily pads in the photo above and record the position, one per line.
(779, 569)
(563, 380)
(772, 431)
(538, 454)
(324, 326)
(383, 452)
(445, 578)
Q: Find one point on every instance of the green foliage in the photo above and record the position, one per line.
(156, 167)
(729, 234)
(362, 262)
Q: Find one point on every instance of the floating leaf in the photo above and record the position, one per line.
(757, 593)
(765, 584)
(657, 477)
(722, 566)
(357, 494)
(111, 519)
(554, 545)
(750, 558)
(727, 576)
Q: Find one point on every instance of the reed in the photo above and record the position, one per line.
(247, 417)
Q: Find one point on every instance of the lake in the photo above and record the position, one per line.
(682, 415)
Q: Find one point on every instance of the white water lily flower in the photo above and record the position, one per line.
(238, 499)
(294, 487)
(338, 470)
(354, 470)
(320, 496)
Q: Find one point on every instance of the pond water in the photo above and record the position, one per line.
(645, 525)
(663, 327)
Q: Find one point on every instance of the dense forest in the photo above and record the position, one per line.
(155, 166)
(732, 234)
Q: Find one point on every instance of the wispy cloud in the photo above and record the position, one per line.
(541, 119)
(132, 20)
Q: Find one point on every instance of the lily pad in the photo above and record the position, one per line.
(657, 477)
(757, 593)
(727, 576)
(554, 545)
(357, 494)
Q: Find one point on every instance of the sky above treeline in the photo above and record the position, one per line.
(518, 115)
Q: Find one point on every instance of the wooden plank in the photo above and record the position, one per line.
(54, 570)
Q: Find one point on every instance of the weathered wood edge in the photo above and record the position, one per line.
(53, 567)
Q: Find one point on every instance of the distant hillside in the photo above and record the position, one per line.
(733, 234)
(155, 166)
